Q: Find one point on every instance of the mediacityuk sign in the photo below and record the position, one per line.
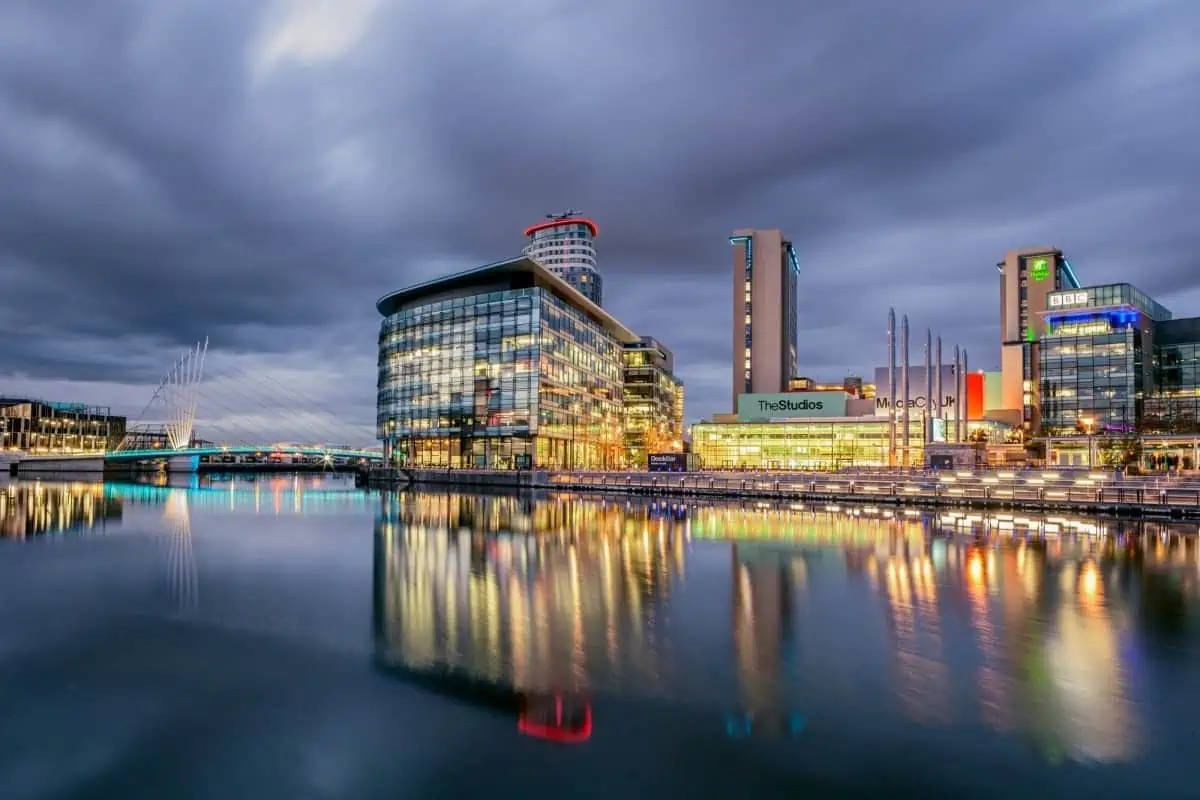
(790, 405)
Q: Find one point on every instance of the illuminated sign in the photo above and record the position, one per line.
(882, 403)
(666, 462)
(1092, 328)
(1039, 269)
(1069, 299)
(790, 405)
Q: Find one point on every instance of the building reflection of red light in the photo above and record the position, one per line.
(575, 729)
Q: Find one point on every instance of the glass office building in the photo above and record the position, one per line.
(1096, 360)
(1174, 408)
(653, 402)
(1120, 380)
(504, 366)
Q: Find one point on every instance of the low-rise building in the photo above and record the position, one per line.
(47, 428)
(653, 398)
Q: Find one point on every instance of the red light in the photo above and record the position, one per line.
(554, 223)
(554, 731)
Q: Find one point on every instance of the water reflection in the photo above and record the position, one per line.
(771, 619)
(1001, 625)
(545, 596)
(36, 509)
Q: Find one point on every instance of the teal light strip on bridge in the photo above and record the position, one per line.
(136, 455)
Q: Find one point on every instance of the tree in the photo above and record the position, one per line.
(1124, 451)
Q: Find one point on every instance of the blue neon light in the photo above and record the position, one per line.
(794, 261)
(1116, 319)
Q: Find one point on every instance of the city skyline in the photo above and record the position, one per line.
(262, 179)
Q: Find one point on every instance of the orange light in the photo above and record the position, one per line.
(975, 568)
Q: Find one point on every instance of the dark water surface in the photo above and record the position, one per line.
(294, 637)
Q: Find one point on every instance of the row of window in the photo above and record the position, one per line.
(573, 231)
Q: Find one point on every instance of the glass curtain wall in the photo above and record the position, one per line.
(1175, 407)
(799, 446)
(653, 403)
(503, 380)
(580, 410)
(1091, 383)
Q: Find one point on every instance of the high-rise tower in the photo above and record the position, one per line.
(565, 244)
(765, 273)
(1027, 278)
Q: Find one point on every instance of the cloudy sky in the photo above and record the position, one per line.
(261, 173)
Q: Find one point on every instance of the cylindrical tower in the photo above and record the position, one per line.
(565, 244)
(927, 427)
(962, 418)
(957, 393)
(891, 386)
(937, 380)
(904, 410)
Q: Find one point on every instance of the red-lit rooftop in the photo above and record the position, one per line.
(554, 223)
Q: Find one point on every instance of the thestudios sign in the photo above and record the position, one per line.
(792, 405)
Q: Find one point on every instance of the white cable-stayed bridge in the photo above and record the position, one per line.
(239, 409)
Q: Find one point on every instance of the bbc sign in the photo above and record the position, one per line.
(1069, 300)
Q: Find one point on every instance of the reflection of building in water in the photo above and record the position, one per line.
(922, 679)
(994, 678)
(32, 509)
(541, 594)
(1083, 655)
(1047, 641)
(763, 636)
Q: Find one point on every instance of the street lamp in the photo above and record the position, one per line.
(1089, 425)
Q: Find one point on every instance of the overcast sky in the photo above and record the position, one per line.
(261, 173)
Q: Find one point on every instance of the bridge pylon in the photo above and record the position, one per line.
(173, 405)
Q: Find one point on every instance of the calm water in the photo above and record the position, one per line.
(295, 637)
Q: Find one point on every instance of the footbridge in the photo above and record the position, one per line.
(163, 436)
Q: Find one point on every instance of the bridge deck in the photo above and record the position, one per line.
(165, 453)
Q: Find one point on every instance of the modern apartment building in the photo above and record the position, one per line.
(765, 275)
(565, 244)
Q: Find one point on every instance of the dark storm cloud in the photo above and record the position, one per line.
(262, 173)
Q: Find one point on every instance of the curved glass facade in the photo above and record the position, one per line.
(504, 379)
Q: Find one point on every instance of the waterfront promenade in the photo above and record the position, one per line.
(1034, 490)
